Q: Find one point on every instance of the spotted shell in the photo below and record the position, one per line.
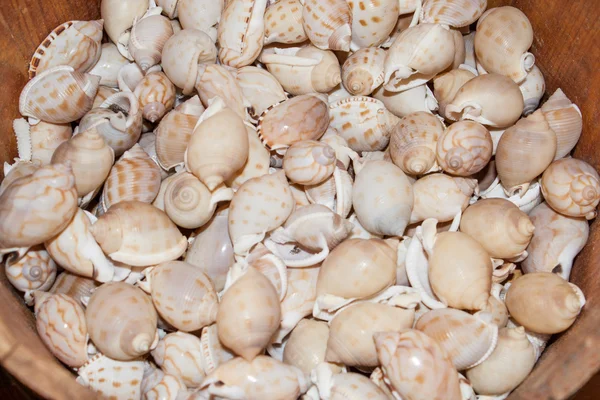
(362, 71)
(201, 15)
(309, 162)
(283, 22)
(452, 13)
(108, 377)
(372, 22)
(464, 148)
(260, 88)
(156, 94)
(180, 354)
(328, 25)
(219, 81)
(565, 120)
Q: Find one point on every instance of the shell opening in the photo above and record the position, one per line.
(527, 61)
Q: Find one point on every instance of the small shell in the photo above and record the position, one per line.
(335, 192)
(309, 162)
(372, 22)
(257, 163)
(157, 385)
(74, 286)
(543, 302)
(109, 377)
(156, 94)
(147, 235)
(565, 120)
(524, 151)
(34, 271)
(249, 314)
(419, 98)
(260, 88)
(533, 88)
(119, 16)
(147, 39)
(109, 64)
(343, 152)
(218, 81)
(45, 138)
(74, 43)
(362, 72)
(495, 307)
(241, 32)
(59, 95)
(446, 86)
(60, 322)
(414, 142)
(180, 354)
(200, 14)
(104, 92)
(121, 321)
(464, 148)
(283, 22)
(383, 198)
(503, 37)
(328, 26)
(489, 99)
(452, 13)
(306, 345)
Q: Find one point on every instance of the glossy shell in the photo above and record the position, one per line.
(283, 22)
(309, 162)
(454, 14)
(147, 39)
(464, 148)
(328, 26)
(306, 345)
(200, 14)
(156, 94)
(109, 64)
(362, 71)
(220, 81)
(34, 271)
(447, 84)
(257, 163)
(566, 121)
(107, 377)
(260, 88)
(372, 22)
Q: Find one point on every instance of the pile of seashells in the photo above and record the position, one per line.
(359, 188)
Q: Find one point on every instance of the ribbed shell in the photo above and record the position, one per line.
(464, 148)
(19, 169)
(34, 271)
(241, 32)
(372, 22)
(219, 81)
(328, 25)
(453, 13)
(156, 94)
(260, 88)
(147, 39)
(446, 86)
(305, 348)
(362, 71)
(74, 286)
(180, 354)
(283, 22)
(565, 120)
(213, 352)
(157, 385)
(109, 64)
(309, 162)
(109, 377)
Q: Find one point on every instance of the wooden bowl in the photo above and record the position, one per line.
(566, 49)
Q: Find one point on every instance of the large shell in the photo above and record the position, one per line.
(362, 72)
(25, 220)
(109, 64)
(200, 14)
(309, 162)
(328, 26)
(524, 151)
(74, 286)
(565, 120)
(147, 39)
(556, 241)
(306, 345)
(218, 81)
(107, 377)
(446, 86)
(464, 148)
(180, 354)
(58, 95)
(533, 88)
(414, 142)
(467, 339)
(34, 271)
(119, 16)
(260, 88)
(147, 236)
(383, 198)
(257, 163)
(241, 32)
(283, 22)
(249, 314)
(503, 37)
(416, 367)
(74, 43)
(372, 22)
(121, 321)
(490, 99)
(453, 13)
(156, 94)
(419, 98)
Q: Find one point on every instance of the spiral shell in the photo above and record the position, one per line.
(180, 354)
(260, 88)
(362, 72)
(109, 64)
(309, 162)
(156, 94)
(283, 22)
(119, 17)
(108, 377)
(352, 386)
(200, 14)
(34, 271)
(447, 84)
(74, 286)
(306, 345)
(328, 26)
(104, 92)
(372, 22)
(464, 148)
(147, 39)
(565, 120)
(157, 385)
(419, 98)
(452, 13)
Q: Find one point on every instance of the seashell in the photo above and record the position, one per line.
(362, 72)
(266, 263)
(148, 143)
(490, 99)
(279, 128)
(468, 340)
(352, 386)
(121, 321)
(556, 241)
(148, 236)
(418, 98)
(45, 138)
(328, 26)
(18, 170)
(58, 95)
(496, 309)
(543, 302)
(454, 14)
(284, 23)
(565, 120)
(260, 88)
(60, 322)
(533, 89)
(249, 314)
(200, 14)
(119, 17)
(335, 192)
(156, 94)
(35, 270)
(107, 377)
(74, 43)
(218, 147)
(147, 39)
(372, 23)
(306, 345)
(503, 37)
(109, 64)
(415, 366)
(447, 84)
(406, 65)
(441, 197)
(459, 48)
(464, 148)
(343, 153)
(403, 22)
(129, 76)
(169, 7)
(470, 59)
(351, 332)
(383, 198)
(257, 163)
(104, 92)
(499, 226)
(309, 162)
(183, 53)
(25, 220)
(217, 81)
(414, 141)
(460, 271)
(508, 365)
(241, 32)
(214, 354)
(180, 354)
(532, 144)
(531, 198)
(158, 385)
(75, 286)
(133, 177)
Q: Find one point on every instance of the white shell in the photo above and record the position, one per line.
(533, 88)
(372, 22)
(180, 354)
(121, 379)
(34, 271)
(200, 14)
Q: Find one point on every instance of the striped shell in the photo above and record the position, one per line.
(362, 72)
(201, 15)
(34, 271)
(260, 88)
(213, 352)
(107, 377)
(218, 81)
(372, 22)
(17, 170)
(157, 385)
(453, 13)
(464, 148)
(309, 162)
(109, 64)
(180, 354)
(74, 286)
(147, 39)
(565, 120)
(328, 24)
(283, 22)
(156, 94)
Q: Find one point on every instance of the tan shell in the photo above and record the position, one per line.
(146, 235)
(214, 354)
(464, 148)
(241, 32)
(328, 25)
(283, 22)
(446, 86)
(34, 271)
(495, 308)
(503, 37)
(121, 321)
(354, 386)
(405, 19)
(490, 99)
(335, 192)
(533, 89)
(362, 72)
(199, 14)
(74, 286)
(156, 94)
(119, 16)
(103, 93)
(157, 385)
(372, 22)
(309, 162)
(218, 81)
(260, 88)
(543, 302)
(109, 377)
(306, 345)
(343, 152)
(18, 170)
(452, 13)
(524, 151)
(147, 39)
(565, 120)
(418, 98)
(109, 64)
(45, 138)
(257, 163)
(180, 354)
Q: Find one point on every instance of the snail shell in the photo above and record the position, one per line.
(342, 151)
(403, 22)
(464, 148)
(309, 162)
(241, 32)
(556, 241)
(121, 321)
(508, 365)
(491, 99)
(34, 271)
(257, 163)
(544, 302)
(565, 120)
(503, 37)
(447, 84)
(353, 386)
(180, 354)
(18, 170)
(119, 17)
(157, 385)
(25, 220)
(74, 286)
(328, 26)
(383, 198)
(468, 340)
(303, 117)
(460, 271)
(531, 144)
(284, 23)
(351, 332)
(335, 193)
(218, 81)
(362, 72)
(156, 94)
(147, 235)
(45, 138)
(182, 55)
(104, 92)
(306, 345)
(452, 13)
(200, 14)
(416, 367)
(109, 64)
(414, 141)
(495, 307)
(260, 88)
(372, 22)
(147, 39)
(74, 43)
(112, 378)
(418, 98)
(60, 322)
(533, 88)
(249, 314)
(58, 95)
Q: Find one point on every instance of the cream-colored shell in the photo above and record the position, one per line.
(362, 71)
(34, 271)
(257, 163)
(418, 98)
(119, 16)
(309, 162)
(104, 92)
(200, 14)
(533, 88)
(335, 192)
(447, 84)
(45, 138)
(343, 152)
(180, 354)
(109, 64)
(17, 170)
(453, 13)
(565, 120)
(218, 81)
(157, 385)
(147, 39)
(74, 286)
(283, 22)
(260, 88)
(156, 94)
(107, 377)
(328, 25)
(305, 348)
(464, 148)
(372, 22)
(496, 309)
(352, 386)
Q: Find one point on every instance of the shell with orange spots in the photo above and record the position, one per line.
(372, 21)
(328, 23)
(199, 14)
(362, 72)
(180, 355)
(156, 95)
(112, 379)
(452, 12)
(157, 385)
(283, 22)
(564, 119)
(34, 271)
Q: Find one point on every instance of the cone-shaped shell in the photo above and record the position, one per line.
(180, 354)
(328, 25)
(147, 39)
(446, 86)
(362, 72)
(156, 94)
(309, 162)
(241, 32)
(464, 148)
(565, 120)
(453, 13)
(372, 22)
(283, 22)
(306, 345)
(34, 271)
(121, 321)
